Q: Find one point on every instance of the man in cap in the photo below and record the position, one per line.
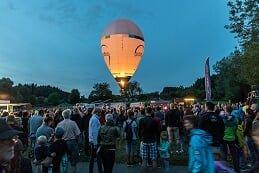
(7, 142)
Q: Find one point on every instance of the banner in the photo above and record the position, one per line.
(207, 80)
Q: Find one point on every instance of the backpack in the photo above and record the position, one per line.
(128, 131)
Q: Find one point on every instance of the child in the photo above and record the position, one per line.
(57, 149)
(164, 149)
(200, 152)
(41, 152)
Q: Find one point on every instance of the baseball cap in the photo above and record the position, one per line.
(6, 132)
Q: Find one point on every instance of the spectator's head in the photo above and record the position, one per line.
(228, 109)
(48, 120)
(42, 140)
(59, 132)
(108, 117)
(41, 112)
(66, 114)
(10, 120)
(97, 111)
(8, 138)
(209, 106)
(190, 122)
(142, 111)
(164, 135)
(5, 114)
(255, 107)
(173, 106)
(130, 114)
(149, 111)
(158, 108)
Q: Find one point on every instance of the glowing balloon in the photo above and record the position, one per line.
(122, 46)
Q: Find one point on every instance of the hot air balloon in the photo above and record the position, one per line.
(122, 46)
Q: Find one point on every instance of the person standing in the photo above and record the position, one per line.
(58, 149)
(148, 132)
(94, 127)
(229, 139)
(200, 152)
(164, 149)
(130, 134)
(85, 127)
(107, 136)
(34, 123)
(213, 124)
(255, 136)
(7, 142)
(71, 135)
(45, 129)
(172, 122)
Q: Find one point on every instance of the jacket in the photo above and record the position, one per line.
(213, 124)
(148, 130)
(107, 135)
(230, 129)
(201, 159)
(172, 118)
(164, 149)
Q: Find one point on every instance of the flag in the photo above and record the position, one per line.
(207, 80)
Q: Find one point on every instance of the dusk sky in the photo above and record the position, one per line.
(57, 42)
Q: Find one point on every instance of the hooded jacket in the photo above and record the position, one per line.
(201, 158)
(230, 128)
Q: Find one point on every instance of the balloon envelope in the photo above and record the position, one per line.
(122, 46)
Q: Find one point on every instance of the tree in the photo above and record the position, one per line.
(230, 81)
(244, 20)
(74, 96)
(133, 89)
(101, 91)
(5, 88)
(53, 99)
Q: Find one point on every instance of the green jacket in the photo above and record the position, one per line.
(230, 130)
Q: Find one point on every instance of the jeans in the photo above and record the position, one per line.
(94, 155)
(173, 133)
(73, 151)
(87, 146)
(233, 151)
(252, 149)
(166, 164)
(108, 160)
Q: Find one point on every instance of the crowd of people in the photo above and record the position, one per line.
(220, 138)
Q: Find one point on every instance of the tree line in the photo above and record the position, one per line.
(233, 78)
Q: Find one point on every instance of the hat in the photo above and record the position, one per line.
(6, 132)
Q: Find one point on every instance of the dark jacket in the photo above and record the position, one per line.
(26, 166)
(107, 135)
(248, 126)
(172, 118)
(213, 124)
(148, 129)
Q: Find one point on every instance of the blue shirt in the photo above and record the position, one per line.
(94, 126)
(44, 130)
(35, 122)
